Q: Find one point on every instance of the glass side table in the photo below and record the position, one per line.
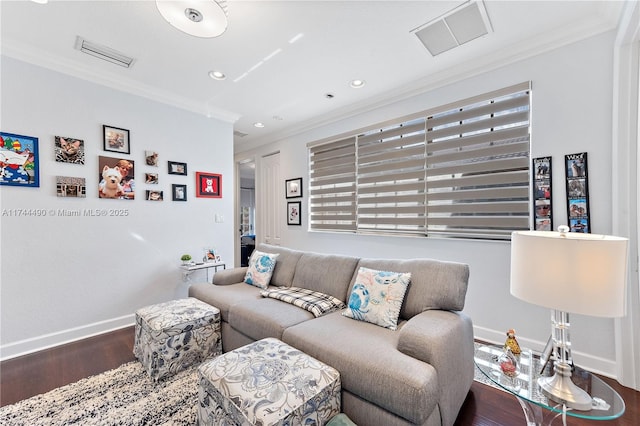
(607, 403)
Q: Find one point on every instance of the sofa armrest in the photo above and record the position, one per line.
(443, 339)
(230, 276)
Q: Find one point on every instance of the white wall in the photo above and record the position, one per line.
(69, 277)
(572, 101)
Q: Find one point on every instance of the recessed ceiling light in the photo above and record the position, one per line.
(356, 84)
(217, 75)
(40, 1)
(258, 124)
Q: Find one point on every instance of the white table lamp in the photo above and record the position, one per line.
(569, 273)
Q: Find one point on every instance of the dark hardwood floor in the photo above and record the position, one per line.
(40, 372)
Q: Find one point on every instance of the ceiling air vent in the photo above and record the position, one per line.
(103, 52)
(458, 26)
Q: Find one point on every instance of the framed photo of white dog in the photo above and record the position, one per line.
(115, 179)
(208, 185)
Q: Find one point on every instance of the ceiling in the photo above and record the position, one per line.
(282, 58)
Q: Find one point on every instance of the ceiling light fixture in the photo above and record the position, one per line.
(199, 18)
(217, 75)
(258, 125)
(356, 84)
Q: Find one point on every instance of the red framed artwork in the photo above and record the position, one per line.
(208, 185)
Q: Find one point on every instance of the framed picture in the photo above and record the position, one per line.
(115, 177)
(116, 139)
(293, 188)
(176, 168)
(577, 192)
(19, 160)
(69, 150)
(293, 213)
(208, 185)
(179, 192)
(543, 213)
(151, 158)
(154, 195)
(151, 178)
(209, 255)
(71, 186)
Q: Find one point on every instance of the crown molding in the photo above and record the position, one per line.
(41, 58)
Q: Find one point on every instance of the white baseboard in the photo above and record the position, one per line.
(34, 344)
(594, 364)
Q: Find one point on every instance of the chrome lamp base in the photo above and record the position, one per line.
(559, 387)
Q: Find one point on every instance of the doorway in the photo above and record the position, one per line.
(247, 209)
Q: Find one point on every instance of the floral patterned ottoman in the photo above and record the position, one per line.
(267, 383)
(172, 336)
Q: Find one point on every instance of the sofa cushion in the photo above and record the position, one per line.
(263, 318)
(224, 296)
(285, 266)
(434, 284)
(260, 268)
(360, 351)
(317, 303)
(325, 273)
(376, 297)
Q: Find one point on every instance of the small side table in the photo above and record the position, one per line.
(524, 386)
(188, 269)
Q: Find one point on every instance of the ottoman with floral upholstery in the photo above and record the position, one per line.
(267, 383)
(174, 335)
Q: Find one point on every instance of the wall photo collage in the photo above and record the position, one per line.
(116, 179)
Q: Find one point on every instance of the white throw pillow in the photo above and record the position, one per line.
(261, 267)
(377, 296)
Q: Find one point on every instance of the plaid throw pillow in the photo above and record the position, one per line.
(315, 302)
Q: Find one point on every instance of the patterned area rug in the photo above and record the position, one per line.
(123, 396)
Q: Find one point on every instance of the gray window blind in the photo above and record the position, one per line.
(391, 179)
(460, 170)
(332, 199)
(478, 167)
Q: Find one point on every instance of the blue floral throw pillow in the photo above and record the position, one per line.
(377, 297)
(261, 267)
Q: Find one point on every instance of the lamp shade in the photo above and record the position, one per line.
(577, 273)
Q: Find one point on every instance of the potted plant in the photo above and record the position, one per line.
(186, 258)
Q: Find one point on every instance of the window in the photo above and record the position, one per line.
(461, 170)
(333, 189)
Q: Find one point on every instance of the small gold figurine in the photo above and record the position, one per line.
(512, 343)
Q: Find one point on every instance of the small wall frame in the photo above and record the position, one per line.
(577, 192)
(178, 192)
(116, 139)
(293, 188)
(175, 168)
(294, 215)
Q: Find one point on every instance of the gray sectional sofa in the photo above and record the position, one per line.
(419, 374)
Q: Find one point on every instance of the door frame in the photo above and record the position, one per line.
(237, 207)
